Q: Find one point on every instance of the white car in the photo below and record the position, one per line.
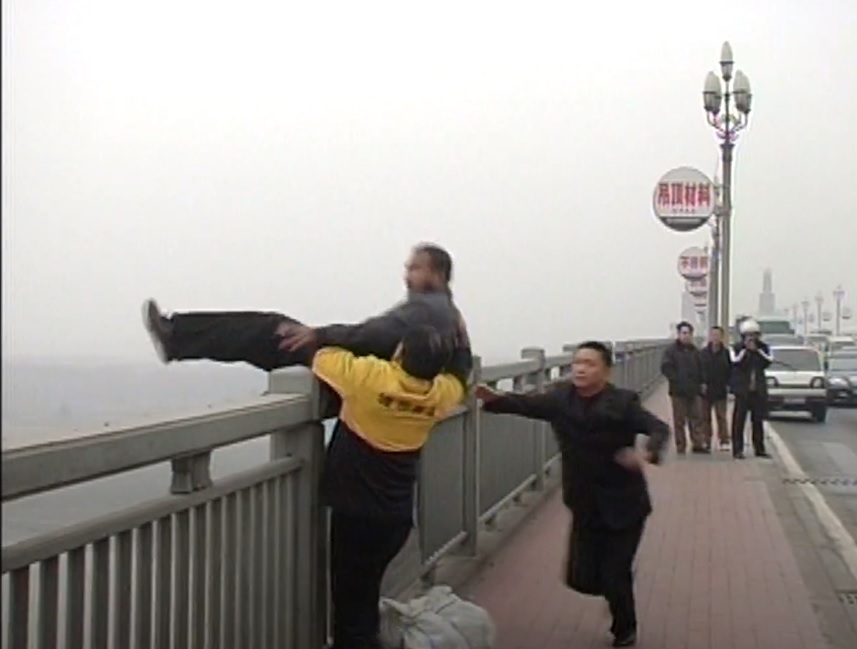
(796, 381)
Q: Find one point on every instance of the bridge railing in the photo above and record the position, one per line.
(241, 561)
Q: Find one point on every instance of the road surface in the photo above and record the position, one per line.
(827, 453)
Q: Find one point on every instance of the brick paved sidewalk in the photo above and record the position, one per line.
(690, 595)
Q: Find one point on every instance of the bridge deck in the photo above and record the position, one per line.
(715, 569)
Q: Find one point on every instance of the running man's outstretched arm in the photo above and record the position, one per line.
(544, 406)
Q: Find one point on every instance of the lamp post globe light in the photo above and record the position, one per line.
(838, 296)
(731, 90)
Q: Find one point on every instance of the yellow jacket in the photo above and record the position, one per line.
(382, 404)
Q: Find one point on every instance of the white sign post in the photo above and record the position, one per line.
(684, 199)
(698, 289)
(693, 263)
(700, 303)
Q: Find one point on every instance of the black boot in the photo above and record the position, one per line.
(628, 639)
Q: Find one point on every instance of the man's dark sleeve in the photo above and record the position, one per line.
(378, 336)
(766, 355)
(461, 363)
(534, 405)
(668, 368)
(643, 422)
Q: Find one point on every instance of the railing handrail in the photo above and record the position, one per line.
(28, 470)
(28, 551)
(242, 559)
(36, 468)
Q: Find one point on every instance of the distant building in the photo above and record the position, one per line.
(767, 300)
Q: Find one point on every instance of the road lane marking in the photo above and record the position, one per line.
(842, 541)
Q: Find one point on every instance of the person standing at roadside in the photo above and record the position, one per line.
(717, 371)
(682, 367)
(750, 358)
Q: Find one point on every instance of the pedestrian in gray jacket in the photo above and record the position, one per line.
(682, 367)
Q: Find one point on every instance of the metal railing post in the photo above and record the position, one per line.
(307, 444)
(191, 473)
(620, 365)
(537, 382)
(472, 433)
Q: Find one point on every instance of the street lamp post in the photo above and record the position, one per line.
(727, 125)
(805, 305)
(819, 303)
(714, 261)
(838, 296)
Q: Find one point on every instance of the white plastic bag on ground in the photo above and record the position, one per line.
(437, 620)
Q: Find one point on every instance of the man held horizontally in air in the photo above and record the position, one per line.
(270, 341)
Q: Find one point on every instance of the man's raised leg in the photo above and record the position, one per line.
(225, 336)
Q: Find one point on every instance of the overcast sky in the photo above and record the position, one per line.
(284, 156)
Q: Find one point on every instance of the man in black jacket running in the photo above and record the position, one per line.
(270, 341)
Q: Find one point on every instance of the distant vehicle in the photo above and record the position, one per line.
(796, 381)
(784, 340)
(844, 352)
(835, 343)
(817, 340)
(842, 380)
(769, 324)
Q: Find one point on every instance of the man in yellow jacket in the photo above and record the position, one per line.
(388, 410)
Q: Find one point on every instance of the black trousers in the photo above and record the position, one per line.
(755, 405)
(360, 551)
(601, 562)
(233, 337)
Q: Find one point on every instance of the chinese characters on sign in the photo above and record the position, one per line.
(684, 199)
(693, 263)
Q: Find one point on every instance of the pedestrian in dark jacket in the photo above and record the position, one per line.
(596, 426)
(717, 369)
(682, 367)
(270, 341)
(750, 358)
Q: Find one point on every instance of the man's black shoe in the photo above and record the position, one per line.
(738, 456)
(763, 454)
(159, 329)
(626, 640)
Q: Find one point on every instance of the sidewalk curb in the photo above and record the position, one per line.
(845, 545)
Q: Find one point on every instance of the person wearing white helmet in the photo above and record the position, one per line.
(750, 358)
